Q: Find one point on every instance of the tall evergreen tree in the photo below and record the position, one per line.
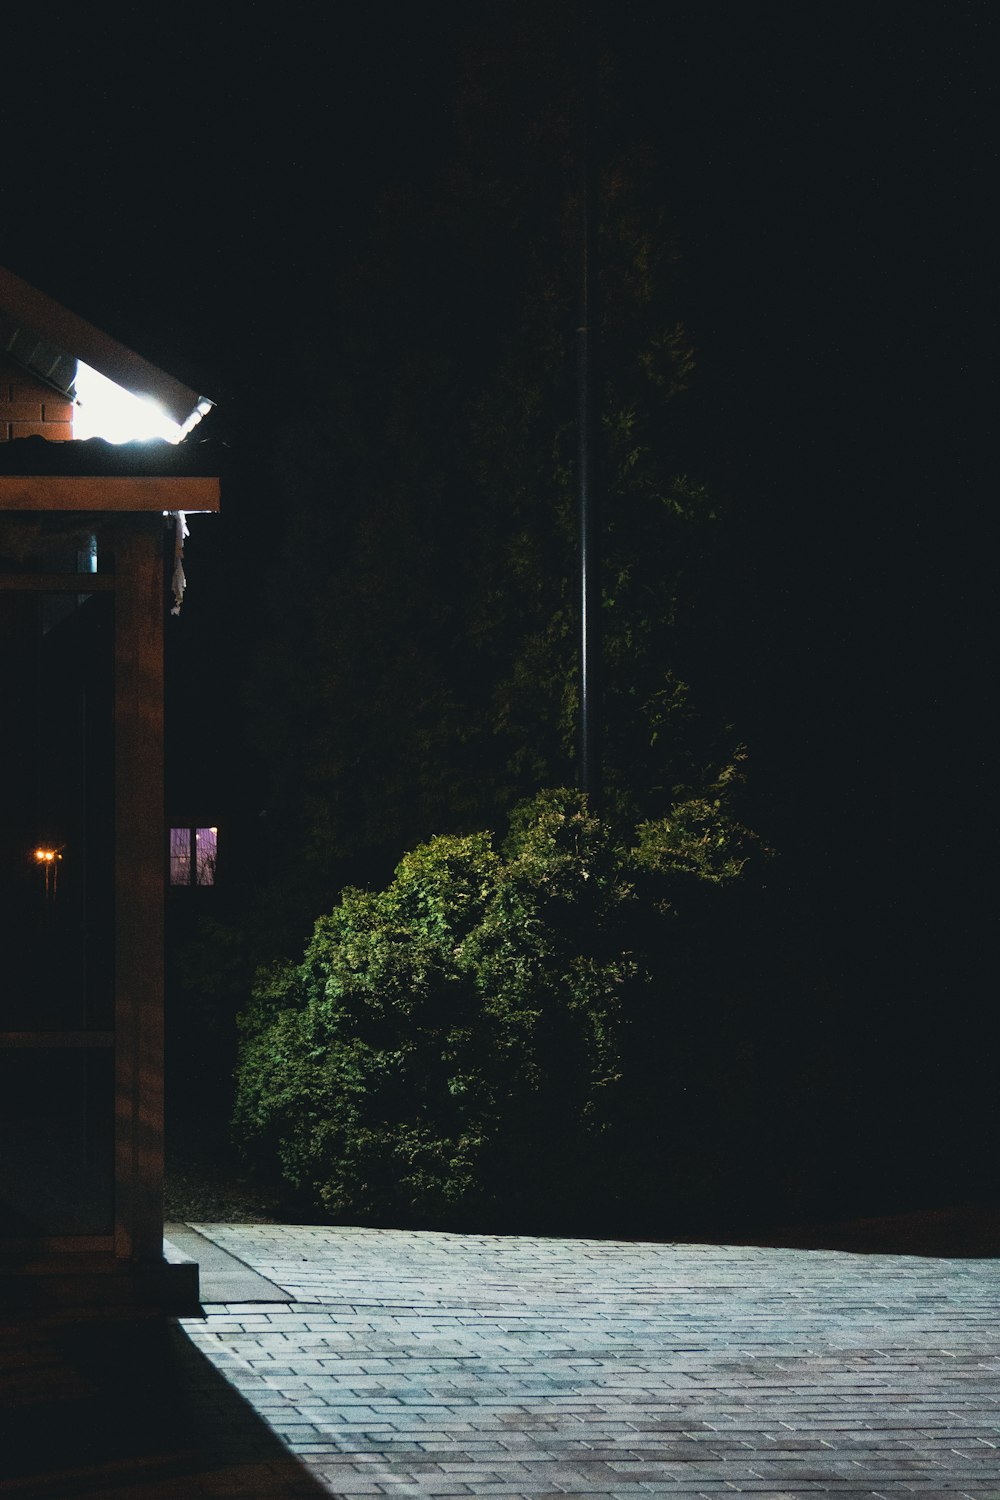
(419, 674)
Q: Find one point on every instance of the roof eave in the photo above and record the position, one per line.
(30, 312)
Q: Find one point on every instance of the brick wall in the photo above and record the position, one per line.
(28, 406)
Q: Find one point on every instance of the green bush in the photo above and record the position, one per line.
(455, 1049)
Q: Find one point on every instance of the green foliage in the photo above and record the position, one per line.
(699, 836)
(454, 1048)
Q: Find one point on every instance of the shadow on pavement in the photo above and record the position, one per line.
(130, 1410)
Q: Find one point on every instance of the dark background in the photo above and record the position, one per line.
(829, 173)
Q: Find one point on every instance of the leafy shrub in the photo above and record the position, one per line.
(455, 1049)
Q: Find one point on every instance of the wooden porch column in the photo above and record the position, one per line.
(139, 878)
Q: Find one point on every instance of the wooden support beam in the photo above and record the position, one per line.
(139, 879)
(108, 492)
(59, 583)
(50, 1039)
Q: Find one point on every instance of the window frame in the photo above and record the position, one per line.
(195, 868)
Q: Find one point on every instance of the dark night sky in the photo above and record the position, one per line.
(829, 170)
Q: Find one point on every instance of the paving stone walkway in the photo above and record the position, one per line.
(445, 1365)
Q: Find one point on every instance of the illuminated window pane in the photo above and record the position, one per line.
(180, 856)
(205, 846)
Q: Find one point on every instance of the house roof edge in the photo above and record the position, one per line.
(26, 308)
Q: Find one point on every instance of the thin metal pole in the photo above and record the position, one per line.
(587, 427)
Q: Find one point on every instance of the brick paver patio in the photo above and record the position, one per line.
(436, 1365)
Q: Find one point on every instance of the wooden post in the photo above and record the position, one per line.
(139, 612)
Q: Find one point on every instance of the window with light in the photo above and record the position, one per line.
(193, 853)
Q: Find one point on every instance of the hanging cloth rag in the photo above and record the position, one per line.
(179, 582)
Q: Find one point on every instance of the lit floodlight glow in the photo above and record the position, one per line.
(105, 410)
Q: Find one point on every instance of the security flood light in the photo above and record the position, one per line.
(103, 409)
